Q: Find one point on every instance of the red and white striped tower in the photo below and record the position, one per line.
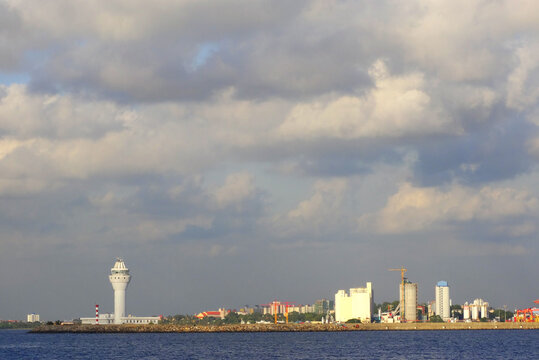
(96, 314)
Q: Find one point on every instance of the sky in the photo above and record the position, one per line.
(236, 152)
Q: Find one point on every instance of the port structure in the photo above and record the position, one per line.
(287, 304)
(403, 280)
(527, 315)
(276, 304)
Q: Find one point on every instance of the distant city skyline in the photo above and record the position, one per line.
(243, 151)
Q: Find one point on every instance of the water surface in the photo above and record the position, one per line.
(448, 344)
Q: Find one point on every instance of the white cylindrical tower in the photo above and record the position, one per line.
(119, 278)
(466, 313)
(475, 311)
(408, 297)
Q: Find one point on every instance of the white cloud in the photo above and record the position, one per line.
(522, 90)
(415, 209)
(27, 115)
(397, 106)
(238, 187)
(148, 230)
(461, 40)
(54, 138)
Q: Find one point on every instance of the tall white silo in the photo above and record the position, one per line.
(409, 313)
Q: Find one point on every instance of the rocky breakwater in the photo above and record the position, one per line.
(171, 328)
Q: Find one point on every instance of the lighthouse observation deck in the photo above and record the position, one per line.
(119, 268)
(119, 279)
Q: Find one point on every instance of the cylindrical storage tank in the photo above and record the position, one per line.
(466, 312)
(475, 312)
(410, 302)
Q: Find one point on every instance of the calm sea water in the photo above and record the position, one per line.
(476, 344)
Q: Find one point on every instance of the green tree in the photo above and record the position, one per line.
(313, 317)
(435, 318)
(232, 318)
(501, 314)
(387, 306)
(19, 325)
(296, 317)
(456, 311)
(252, 318)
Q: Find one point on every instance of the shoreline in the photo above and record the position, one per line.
(170, 328)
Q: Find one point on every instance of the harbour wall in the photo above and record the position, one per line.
(170, 328)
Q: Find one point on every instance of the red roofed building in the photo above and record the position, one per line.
(221, 313)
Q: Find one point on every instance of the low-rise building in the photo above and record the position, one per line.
(107, 319)
(219, 314)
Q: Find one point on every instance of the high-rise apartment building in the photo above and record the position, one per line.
(323, 306)
(32, 317)
(443, 305)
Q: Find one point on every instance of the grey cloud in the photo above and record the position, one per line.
(131, 107)
(56, 117)
(295, 51)
(491, 153)
(11, 38)
(157, 72)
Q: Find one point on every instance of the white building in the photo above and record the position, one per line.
(32, 317)
(476, 310)
(466, 311)
(443, 306)
(479, 309)
(358, 305)
(119, 278)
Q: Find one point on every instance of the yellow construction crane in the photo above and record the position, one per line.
(402, 306)
(402, 270)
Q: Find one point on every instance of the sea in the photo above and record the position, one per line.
(446, 344)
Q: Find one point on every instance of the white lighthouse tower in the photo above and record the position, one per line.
(119, 278)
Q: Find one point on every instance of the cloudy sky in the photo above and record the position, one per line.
(234, 152)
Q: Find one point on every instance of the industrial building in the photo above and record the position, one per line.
(443, 302)
(119, 278)
(408, 301)
(476, 310)
(356, 305)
